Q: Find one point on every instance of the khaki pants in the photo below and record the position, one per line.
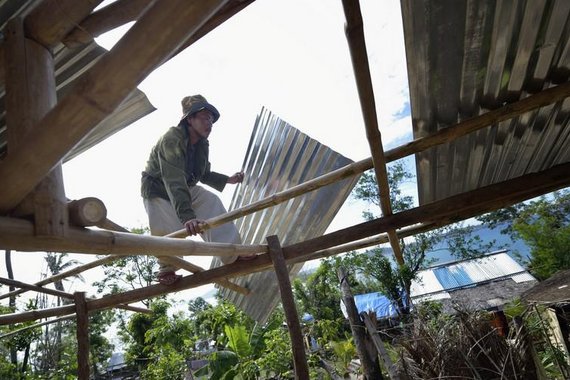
(163, 220)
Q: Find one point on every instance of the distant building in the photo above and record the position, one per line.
(485, 283)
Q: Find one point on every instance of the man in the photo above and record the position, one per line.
(171, 196)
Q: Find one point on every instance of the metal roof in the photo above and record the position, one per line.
(279, 157)
(468, 57)
(69, 65)
(467, 273)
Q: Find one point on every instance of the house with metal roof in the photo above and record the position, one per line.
(485, 283)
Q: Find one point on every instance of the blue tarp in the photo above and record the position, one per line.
(376, 302)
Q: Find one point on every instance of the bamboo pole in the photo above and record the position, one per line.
(99, 91)
(85, 212)
(55, 320)
(450, 210)
(59, 293)
(299, 358)
(18, 234)
(69, 273)
(51, 20)
(421, 144)
(82, 336)
(365, 243)
(355, 35)
(181, 263)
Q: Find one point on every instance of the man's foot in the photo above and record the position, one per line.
(247, 257)
(168, 278)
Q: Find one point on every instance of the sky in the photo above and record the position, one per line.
(290, 56)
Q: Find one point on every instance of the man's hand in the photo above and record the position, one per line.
(236, 178)
(193, 226)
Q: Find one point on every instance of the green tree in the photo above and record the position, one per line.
(544, 225)
(394, 281)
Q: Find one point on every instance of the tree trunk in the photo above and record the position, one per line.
(12, 301)
(364, 346)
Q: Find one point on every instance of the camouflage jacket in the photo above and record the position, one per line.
(168, 174)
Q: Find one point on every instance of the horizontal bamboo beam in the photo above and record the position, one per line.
(49, 322)
(181, 263)
(18, 234)
(68, 273)
(59, 293)
(99, 91)
(365, 243)
(442, 136)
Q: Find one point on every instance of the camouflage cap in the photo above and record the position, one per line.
(196, 103)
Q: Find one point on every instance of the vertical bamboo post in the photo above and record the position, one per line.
(82, 336)
(30, 94)
(299, 357)
(366, 351)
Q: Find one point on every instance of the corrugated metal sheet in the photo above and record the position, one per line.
(279, 157)
(69, 65)
(472, 272)
(466, 57)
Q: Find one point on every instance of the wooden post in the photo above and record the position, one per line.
(30, 94)
(371, 327)
(299, 357)
(82, 336)
(366, 351)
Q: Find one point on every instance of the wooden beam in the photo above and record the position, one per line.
(451, 210)
(18, 234)
(51, 20)
(82, 336)
(59, 293)
(99, 91)
(105, 19)
(442, 136)
(69, 273)
(355, 35)
(299, 358)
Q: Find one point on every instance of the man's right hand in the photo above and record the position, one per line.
(193, 226)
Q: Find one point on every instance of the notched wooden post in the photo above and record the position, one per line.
(299, 357)
(30, 94)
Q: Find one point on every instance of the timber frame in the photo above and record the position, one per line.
(36, 216)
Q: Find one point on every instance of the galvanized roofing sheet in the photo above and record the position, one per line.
(466, 57)
(69, 65)
(469, 273)
(280, 157)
